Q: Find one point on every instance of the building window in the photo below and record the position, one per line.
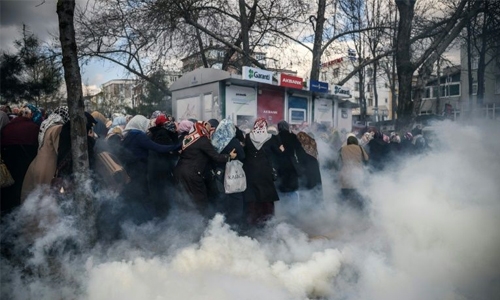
(370, 102)
(336, 73)
(454, 90)
(356, 86)
(428, 92)
(474, 89)
(369, 88)
(474, 63)
(369, 72)
(385, 100)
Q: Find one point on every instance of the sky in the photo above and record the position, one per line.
(41, 18)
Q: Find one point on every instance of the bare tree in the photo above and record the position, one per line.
(65, 12)
(443, 32)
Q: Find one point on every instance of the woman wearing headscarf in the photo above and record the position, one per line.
(43, 167)
(100, 126)
(310, 177)
(260, 195)
(135, 151)
(197, 151)
(288, 164)
(19, 148)
(161, 165)
(114, 136)
(224, 140)
(352, 159)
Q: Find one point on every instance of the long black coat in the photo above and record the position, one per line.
(259, 171)
(161, 170)
(288, 163)
(189, 172)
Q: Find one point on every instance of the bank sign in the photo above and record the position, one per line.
(339, 91)
(258, 75)
(291, 81)
(318, 86)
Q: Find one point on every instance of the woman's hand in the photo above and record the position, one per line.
(233, 154)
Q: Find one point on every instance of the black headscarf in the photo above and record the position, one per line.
(283, 126)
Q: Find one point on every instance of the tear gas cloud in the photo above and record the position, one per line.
(430, 231)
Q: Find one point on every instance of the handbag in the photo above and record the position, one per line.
(6, 179)
(111, 171)
(235, 180)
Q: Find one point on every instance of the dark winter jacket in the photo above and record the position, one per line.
(259, 170)
(189, 172)
(288, 163)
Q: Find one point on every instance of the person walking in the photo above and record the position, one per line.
(352, 159)
(260, 195)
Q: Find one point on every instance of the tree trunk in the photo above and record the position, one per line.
(405, 68)
(244, 33)
(438, 96)
(318, 40)
(424, 75)
(469, 62)
(83, 200)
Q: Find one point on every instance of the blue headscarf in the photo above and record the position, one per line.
(36, 113)
(224, 133)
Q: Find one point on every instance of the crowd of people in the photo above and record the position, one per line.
(180, 164)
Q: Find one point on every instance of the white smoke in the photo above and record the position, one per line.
(430, 231)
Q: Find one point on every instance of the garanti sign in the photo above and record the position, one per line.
(291, 81)
(341, 92)
(258, 75)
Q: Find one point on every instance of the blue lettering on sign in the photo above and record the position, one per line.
(318, 86)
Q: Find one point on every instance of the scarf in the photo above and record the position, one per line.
(224, 133)
(308, 143)
(198, 130)
(259, 134)
(138, 122)
(60, 116)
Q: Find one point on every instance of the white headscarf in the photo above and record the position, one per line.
(138, 122)
(259, 134)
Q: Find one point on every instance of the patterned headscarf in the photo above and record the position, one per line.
(224, 133)
(308, 143)
(259, 134)
(138, 122)
(33, 111)
(198, 130)
(170, 124)
(59, 116)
